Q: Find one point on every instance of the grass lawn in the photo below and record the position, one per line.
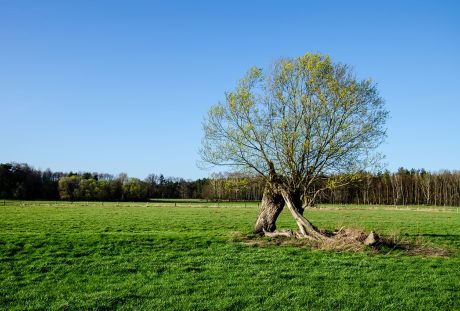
(160, 257)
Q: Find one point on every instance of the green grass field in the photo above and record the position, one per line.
(158, 256)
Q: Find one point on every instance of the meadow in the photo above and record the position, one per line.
(188, 255)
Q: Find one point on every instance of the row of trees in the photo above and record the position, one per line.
(22, 182)
(76, 187)
(404, 187)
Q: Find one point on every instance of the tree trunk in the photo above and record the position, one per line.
(271, 206)
(306, 228)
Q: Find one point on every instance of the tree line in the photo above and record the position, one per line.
(404, 187)
(22, 182)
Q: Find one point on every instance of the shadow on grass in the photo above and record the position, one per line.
(456, 236)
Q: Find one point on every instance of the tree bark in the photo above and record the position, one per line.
(282, 233)
(273, 201)
(271, 206)
(306, 228)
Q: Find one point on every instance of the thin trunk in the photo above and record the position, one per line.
(271, 206)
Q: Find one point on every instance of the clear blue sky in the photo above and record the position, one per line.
(122, 86)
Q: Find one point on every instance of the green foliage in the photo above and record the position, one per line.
(135, 189)
(79, 188)
(68, 187)
(302, 118)
(103, 256)
(20, 181)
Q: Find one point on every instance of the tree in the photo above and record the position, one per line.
(68, 187)
(293, 124)
(135, 190)
(152, 185)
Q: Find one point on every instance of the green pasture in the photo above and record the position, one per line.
(187, 255)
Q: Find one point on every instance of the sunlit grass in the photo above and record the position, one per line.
(57, 255)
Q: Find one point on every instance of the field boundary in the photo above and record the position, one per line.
(223, 204)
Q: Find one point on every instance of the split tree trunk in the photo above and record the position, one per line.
(273, 201)
(271, 206)
(306, 228)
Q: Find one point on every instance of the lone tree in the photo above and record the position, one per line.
(303, 119)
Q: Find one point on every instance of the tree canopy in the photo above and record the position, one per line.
(295, 121)
(302, 117)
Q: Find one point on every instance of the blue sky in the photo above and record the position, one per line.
(122, 86)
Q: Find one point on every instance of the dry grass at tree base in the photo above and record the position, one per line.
(348, 240)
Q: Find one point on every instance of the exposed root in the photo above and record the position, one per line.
(276, 234)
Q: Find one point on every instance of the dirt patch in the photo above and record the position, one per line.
(350, 240)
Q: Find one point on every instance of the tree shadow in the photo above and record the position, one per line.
(397, 244)
(434, 235)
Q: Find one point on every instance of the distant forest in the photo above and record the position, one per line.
(404, 187)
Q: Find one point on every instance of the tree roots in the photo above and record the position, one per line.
(346, 239)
